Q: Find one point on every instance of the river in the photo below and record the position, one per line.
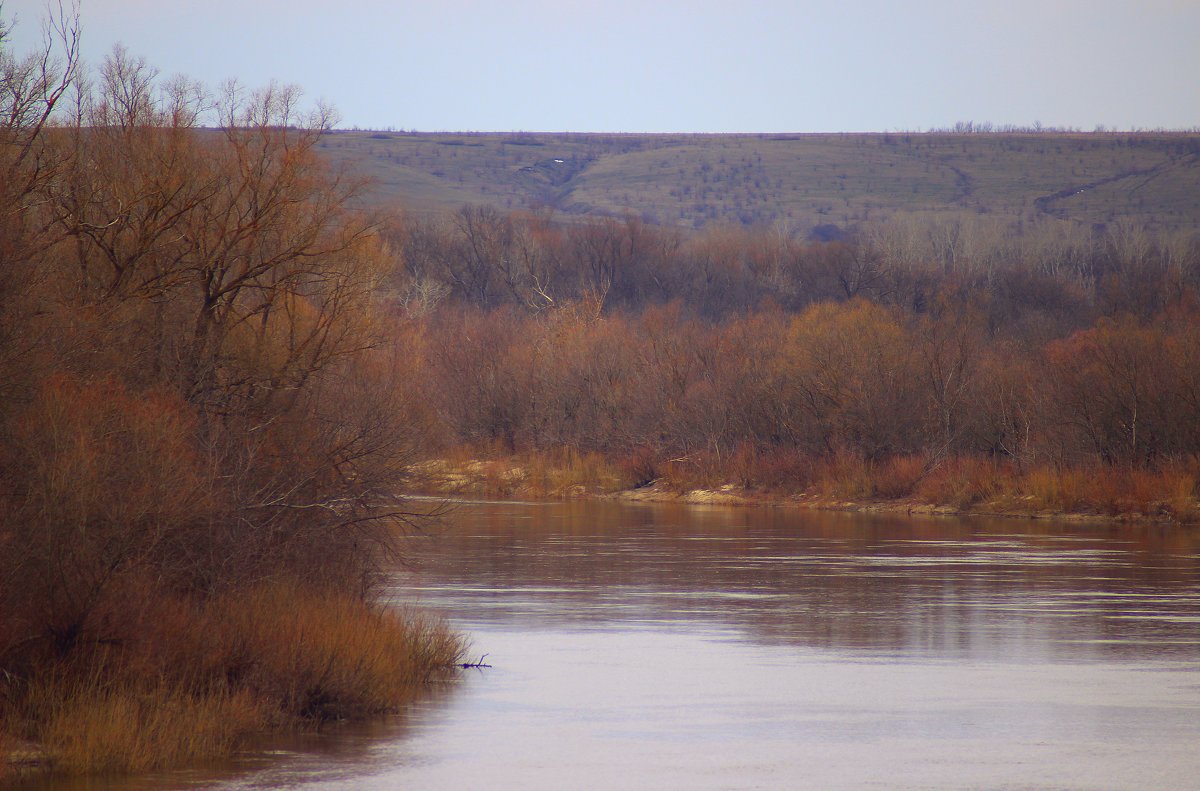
(639, 646)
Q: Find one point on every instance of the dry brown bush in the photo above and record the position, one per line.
(198, 409)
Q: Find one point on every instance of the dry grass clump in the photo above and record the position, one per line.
(1181, 495)
(95, 726)
(321, 656)
(899, 476)
(1168, 491)
(1058, 489)
(775, 469)
(181, 681)
(963, 482)
(566, 471)
(845, 475)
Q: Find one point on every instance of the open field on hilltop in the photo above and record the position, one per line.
(800, 181)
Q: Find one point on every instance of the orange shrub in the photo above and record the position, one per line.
(1057, 489)
(964, 481)
(1166, 491)
(899, 476)
(770, 469)
(845, 475)
(1182, 496)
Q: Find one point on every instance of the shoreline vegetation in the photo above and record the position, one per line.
(910, 485)
(180, 682)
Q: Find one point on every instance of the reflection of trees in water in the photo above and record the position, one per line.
(855, 581)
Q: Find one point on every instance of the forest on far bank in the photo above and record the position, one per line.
(1058, 357)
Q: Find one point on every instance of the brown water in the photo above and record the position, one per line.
(659, 647)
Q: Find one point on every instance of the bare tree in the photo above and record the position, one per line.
(32, 87)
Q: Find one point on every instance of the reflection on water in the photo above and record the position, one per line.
(639, 646)
(935, 588)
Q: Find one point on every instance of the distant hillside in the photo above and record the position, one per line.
(802, 181)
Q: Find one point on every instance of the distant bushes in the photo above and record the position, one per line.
(854, 377)
(943, 359)
(1047, 272)
(853, 400)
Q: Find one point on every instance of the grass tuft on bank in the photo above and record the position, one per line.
(182, 681)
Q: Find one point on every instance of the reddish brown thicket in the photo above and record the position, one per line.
(102, 484)
(957, 342)
(197, 398)
(852, 379)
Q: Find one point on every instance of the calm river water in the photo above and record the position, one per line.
(674, 647)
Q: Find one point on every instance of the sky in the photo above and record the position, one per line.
(678, 66)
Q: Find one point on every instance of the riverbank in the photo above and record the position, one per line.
(181, 681)
(910, 486)
(730, 495)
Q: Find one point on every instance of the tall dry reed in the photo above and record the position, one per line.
(185, 680)
(325, 655)
(97, 726)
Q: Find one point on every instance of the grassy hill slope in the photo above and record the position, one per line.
(798, 180)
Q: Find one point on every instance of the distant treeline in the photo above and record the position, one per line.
(1047, 271)
(1039, 345)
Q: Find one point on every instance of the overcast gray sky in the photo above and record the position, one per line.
(702, 66)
